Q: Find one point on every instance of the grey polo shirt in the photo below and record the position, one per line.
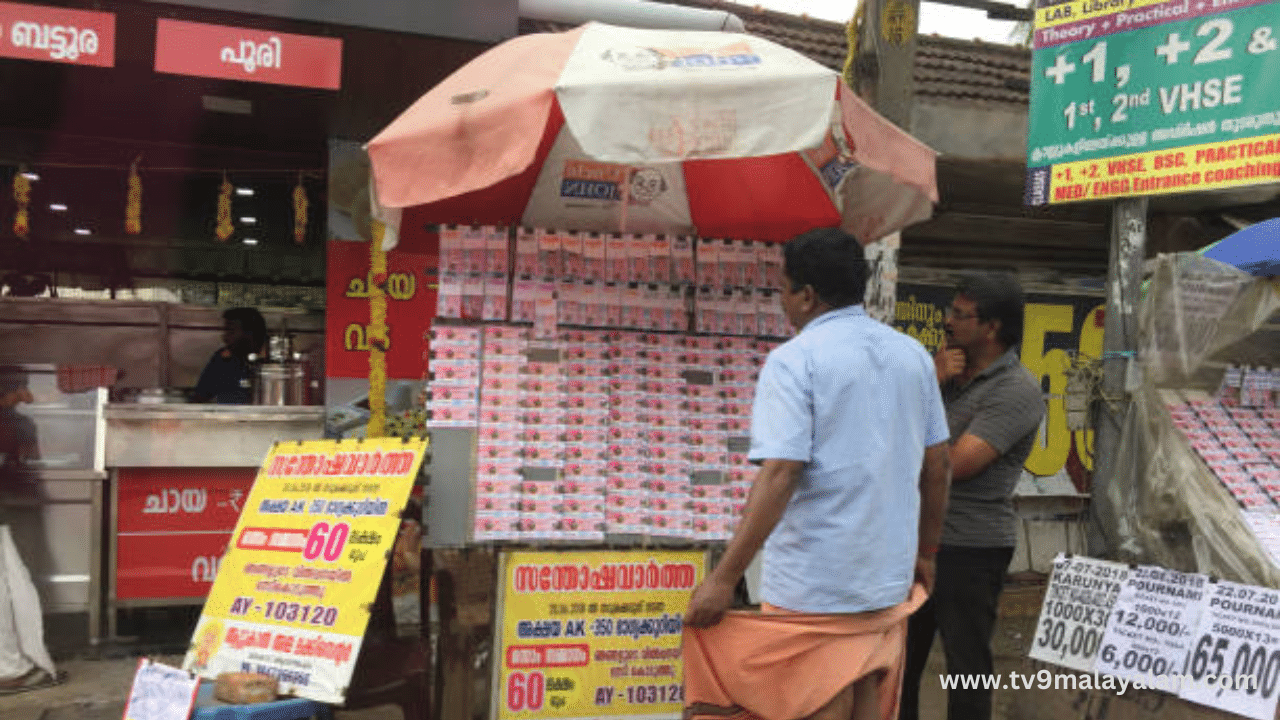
(1002, 405)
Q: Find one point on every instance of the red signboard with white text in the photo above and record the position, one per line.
(233, 53)
(55, 34)
(172, 526)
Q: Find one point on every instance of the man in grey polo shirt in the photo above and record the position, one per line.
(994, 408)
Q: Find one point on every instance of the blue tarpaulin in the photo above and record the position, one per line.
(1255, 249)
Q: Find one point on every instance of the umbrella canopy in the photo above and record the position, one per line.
(619, 129)
(1255, 249)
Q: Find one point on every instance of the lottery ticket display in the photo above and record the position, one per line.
(600, 432)
(627, 281)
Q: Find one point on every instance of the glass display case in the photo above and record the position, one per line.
(51, 420)
(52, 431)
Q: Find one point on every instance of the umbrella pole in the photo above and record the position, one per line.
(626, 185)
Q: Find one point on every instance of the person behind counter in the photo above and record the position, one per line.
(226, 378)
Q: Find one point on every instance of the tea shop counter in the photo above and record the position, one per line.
(179, 474)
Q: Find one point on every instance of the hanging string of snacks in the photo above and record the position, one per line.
(225, 228)
(21, 196)
(133, 202)
(300, 212)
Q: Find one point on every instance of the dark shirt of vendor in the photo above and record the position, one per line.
(226, 379)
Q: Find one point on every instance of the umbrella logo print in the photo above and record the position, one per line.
(636, 58)
(588, 180)
(736, 54)
(646, 185)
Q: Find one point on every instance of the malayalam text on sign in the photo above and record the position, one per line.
(593, 634)
(292, 595)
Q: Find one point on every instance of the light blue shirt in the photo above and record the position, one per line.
(857, 402)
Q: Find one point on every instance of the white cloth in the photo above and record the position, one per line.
(21, 623)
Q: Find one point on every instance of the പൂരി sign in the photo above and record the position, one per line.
(292, 594)
(1145, 97)
(247, 54)
(593, 634)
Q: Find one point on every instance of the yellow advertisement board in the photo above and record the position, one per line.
(593, 634)
(1215, 165)
(293, 592)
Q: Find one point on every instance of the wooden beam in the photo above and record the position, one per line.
(989, 230)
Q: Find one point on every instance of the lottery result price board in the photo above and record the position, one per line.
(593, 634)
(292, 594)
(1073, 618)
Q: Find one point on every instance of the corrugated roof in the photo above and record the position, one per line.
(969, 71)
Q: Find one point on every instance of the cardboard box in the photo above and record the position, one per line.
(245, 688)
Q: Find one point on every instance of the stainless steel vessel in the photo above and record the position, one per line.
(280, 383)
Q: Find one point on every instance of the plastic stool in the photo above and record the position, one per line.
(207, 708)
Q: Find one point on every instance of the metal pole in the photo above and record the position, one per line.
(164, 357)
(1120, 335)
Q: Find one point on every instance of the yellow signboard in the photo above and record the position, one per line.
(293, 592)
(1133, 12)
(1221, 164)
(593, 634)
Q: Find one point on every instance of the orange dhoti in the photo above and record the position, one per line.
(781, 665)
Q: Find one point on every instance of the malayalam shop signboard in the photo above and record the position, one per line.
(292, 594)
(1144, 97)
(593, 634)
(235, 53)
(56, 34)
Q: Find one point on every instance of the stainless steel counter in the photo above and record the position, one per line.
(207, 456)
(191, 435)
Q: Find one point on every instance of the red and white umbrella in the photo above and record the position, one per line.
(619, 129)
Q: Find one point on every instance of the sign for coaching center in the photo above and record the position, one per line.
(1145, 97)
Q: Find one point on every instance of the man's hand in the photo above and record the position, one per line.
(926, 572)
(948, 362)
(21, 395)
(408, 546)
(710, 600)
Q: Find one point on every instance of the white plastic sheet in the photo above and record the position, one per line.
(1165, 506)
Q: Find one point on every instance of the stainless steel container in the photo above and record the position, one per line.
(298, 385)
(272, 387)
(280, 384)
(159, 396)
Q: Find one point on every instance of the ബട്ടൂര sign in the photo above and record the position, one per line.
(292, 594)
(592, 634)
(1145, 97)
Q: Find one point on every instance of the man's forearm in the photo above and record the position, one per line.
(935, 484)
(770, 492)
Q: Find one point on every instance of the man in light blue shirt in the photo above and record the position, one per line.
(850, 431)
